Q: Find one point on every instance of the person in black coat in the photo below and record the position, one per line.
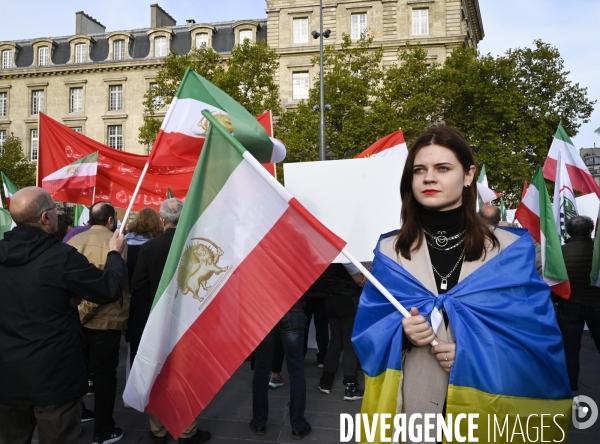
(42, 364)
(144, 285)
(584, 304)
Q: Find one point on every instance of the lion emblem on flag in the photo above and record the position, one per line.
(71, 170)
(201, 128)
(198, 264)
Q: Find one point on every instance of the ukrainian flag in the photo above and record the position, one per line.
(510, 360)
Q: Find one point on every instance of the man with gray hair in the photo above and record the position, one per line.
(43, 371)
(491, 214)
(144, 284)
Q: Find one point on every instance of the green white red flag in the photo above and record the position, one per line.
(9, 189)
(184, 128)
(580, 176)
(484, 192)
(82, 215)
(535, 213)
(243, 253)
(564, 204)
(77, 175)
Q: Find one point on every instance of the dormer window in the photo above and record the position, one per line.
(42, 51)
(118, 45)
(43, 56)
(245, 30)
(80, 48)
(202, 35)
(160, 42)
(245, 34)
(160, 47)
(7, 59)
(81, 53)
(201, 39)
(119, 50)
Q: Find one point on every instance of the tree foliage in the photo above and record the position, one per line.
(15, 164)
(248, 77)
(508, 107)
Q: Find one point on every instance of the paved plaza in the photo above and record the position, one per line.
(228, 414)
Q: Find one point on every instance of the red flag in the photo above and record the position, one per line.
(390, 145)
(118, 171)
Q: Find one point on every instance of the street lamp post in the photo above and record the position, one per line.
(322, 34)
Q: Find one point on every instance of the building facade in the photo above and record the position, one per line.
(94, 81)
(591, 157)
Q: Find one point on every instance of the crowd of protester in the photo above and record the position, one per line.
(53, 353)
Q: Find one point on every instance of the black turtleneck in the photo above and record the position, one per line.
(452, 223)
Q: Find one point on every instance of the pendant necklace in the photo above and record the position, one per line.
(441, 240)
(444, 284)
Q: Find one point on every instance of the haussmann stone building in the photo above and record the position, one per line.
(94, 81)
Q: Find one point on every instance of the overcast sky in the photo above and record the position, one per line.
(570, 25)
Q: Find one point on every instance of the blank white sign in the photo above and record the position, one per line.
(358, 199)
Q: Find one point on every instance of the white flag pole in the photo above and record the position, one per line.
(135, 193)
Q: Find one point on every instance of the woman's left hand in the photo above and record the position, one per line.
(445, 353)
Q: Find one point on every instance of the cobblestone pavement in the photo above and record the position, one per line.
(229, 413)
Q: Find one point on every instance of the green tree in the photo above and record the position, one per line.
(509, 107)
(249, 78)
(15, 165)
(353, 75)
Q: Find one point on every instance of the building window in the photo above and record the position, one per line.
(2, 140)
(301, 30)
(37, 102)
(77, 129)
(115, 137)
(80, 56)
(76, 104)
(359, 25)
(300, 87)
(119, 50)
(201, 39)
(33, 154)
(7, 59)
(420, 21)
(160, 47)
(115, 100)
(43, 56)
(246, 34)
(3, 104)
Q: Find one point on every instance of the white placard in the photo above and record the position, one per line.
(588, 206)
(358, 199)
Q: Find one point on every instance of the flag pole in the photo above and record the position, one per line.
(286, 195)
(94, 196)
(135, 193)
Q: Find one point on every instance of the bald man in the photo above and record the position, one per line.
(491, 214)
(42, 364)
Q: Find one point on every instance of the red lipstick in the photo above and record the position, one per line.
(430, 192)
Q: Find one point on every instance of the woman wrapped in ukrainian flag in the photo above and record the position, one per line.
(472, 288)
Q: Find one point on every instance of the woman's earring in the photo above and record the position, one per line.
(467, 185)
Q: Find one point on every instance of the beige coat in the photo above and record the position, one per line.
(425, 383)
(93, 244)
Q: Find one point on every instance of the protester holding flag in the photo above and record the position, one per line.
(446, 258)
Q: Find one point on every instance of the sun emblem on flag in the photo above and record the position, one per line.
(198, 264)
(202, 126)
(71, 170)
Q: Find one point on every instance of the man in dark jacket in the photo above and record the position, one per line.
(42, 364)
(144, 284)
(584, 303)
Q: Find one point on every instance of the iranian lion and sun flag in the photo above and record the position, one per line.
(243, 228)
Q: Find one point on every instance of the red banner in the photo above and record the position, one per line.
(118, 171)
